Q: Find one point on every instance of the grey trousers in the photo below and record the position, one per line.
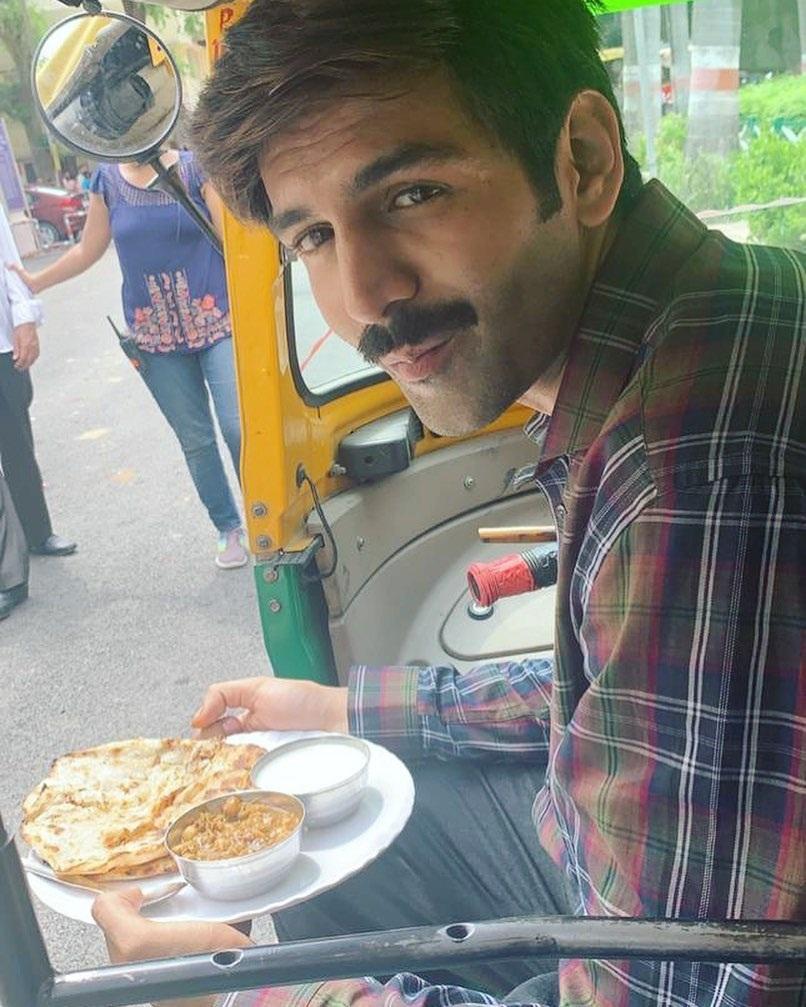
(17, 452)
(13, 547)
(469, 852)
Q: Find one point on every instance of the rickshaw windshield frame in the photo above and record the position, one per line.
(335, 389)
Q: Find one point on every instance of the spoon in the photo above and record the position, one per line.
(158, 894)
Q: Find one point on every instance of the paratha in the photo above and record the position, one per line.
(104, 811)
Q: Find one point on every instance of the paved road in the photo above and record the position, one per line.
(120, 639)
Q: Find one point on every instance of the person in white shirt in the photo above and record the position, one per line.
(20, 313)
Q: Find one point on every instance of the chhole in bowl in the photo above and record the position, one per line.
(238, 845)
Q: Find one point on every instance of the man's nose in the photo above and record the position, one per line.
(373, 275)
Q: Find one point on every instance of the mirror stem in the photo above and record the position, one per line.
(168, 180)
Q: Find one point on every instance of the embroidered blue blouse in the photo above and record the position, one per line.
(174, 287)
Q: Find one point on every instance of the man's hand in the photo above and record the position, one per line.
(131, 937)
(29, 279)
(267, 704)
(25, 348)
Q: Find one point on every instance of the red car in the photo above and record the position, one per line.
(59, 214)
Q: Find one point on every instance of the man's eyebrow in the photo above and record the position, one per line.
(407, 155)
(289, 218)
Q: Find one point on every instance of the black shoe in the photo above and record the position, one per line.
(54, 545)
(11, 598)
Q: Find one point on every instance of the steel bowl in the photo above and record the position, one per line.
(248, 875)
(329, 804)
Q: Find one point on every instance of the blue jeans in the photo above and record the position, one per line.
(179, 383)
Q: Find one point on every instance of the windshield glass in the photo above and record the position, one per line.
(326, 364)
(714, 104)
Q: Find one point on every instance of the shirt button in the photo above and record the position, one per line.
(559, 516)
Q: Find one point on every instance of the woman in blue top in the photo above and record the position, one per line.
(177, 311)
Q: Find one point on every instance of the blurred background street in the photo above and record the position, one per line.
(121, 639)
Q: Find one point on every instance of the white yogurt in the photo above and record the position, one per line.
(308, 768)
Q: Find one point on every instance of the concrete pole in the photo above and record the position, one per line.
(642, 75)
(713, 102)
(647, 44)
(681, 58)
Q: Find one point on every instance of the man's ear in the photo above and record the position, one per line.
(590, 146)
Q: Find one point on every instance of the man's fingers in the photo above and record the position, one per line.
(111, 910)
(26, 358)
(224, 696)
(221, 728)
(25, 348)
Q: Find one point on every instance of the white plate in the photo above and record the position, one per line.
(329, 855)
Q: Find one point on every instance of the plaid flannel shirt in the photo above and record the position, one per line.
(675, 465)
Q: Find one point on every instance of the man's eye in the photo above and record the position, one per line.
(415, 195)
(312, 239)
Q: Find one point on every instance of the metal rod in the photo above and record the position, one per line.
(421, 948)
(25, 968)
(168, 180)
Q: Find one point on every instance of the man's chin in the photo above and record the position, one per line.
(447, 415)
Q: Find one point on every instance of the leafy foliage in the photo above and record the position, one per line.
(780, 96)
(21, 27)
(772, 167)
(702, 183)
(189, 24)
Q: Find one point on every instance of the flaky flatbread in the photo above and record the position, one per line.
(137, 872)
(104, 811)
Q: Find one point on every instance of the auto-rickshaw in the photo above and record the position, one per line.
(333, 458)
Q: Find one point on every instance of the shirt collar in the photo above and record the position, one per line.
(658, 235)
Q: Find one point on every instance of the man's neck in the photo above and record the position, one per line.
(542, 395)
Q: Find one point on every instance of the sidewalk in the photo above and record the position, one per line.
(121, 639)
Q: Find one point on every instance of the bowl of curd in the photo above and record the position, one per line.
(328, 774)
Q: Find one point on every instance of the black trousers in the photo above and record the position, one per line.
(469, 852)
(17, 456)
(13, 547)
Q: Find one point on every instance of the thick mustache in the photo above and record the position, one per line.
(409, 326)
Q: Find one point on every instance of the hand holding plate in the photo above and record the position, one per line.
(267, 704)
(130, 937)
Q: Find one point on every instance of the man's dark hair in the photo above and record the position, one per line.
(516, 65)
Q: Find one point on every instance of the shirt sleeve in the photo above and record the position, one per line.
(494, 711)
(25, 308)
(98, 184)
(403, 990)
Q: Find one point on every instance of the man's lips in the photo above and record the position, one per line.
(418, 362)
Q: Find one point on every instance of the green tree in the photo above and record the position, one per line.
(21, 27)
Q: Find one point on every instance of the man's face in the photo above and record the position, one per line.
(425, 249)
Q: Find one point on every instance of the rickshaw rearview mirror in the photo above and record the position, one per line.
(107, 87)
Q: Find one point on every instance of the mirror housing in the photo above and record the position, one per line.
(106, 86)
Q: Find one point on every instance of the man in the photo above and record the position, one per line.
(455, 178)
(20, 314)
(13, 555)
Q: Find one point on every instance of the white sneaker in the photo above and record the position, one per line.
(231, 550)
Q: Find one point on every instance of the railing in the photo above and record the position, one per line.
(27, 978)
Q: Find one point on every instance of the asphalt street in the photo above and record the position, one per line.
(122, 638)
